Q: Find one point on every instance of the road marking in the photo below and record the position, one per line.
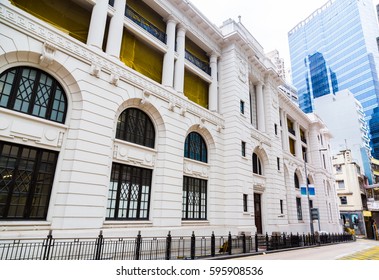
(369, 254)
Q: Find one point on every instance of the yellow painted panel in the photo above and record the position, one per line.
(196, 89)
(64, 15)
(141, 57)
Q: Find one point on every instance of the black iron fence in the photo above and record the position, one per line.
(156, 248)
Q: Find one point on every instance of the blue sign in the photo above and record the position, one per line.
(311, 188)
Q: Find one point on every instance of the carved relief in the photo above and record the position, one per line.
(134, 155)
(145, 98)
(113, 79)
(48, 53)
(259, 188)
(195, 169)
(95, 70)
(30, 130)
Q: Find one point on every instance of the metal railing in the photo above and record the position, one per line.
(145, 24)
(197, 62)
(156, 248)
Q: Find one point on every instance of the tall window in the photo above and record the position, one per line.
(296, 180)
(243, 148)
(245, 197)
(129, 192)
(26, 180)
(292, 145)
(242, 107)
(281, 206)
(298, 208)
(31, 91)
(194, 205)
(257, 166)
(135, 126)
(195, 147)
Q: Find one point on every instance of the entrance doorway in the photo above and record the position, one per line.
(258, 212)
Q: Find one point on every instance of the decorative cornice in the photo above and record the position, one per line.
(64, 43)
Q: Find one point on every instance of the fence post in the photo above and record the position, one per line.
(267, 245)
(168, 246)
(138, 246)
(244, 243)
(193, 246)
(256, 242)
(99, 245)
(230, 243)
(284, 240)
(213, 244)
(47, 245)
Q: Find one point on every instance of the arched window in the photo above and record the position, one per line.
(195, 147)
(33, 92)
(297, 182)
(257, 166)
(135, 126)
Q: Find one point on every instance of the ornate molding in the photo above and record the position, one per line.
(259, 188)
(195, 169)
(113, 79)
(48, 54)
(130, 154)
(145, 98)
(27, 129)
(95, 70)
(72, 47)
(202, 123)
(262, 139)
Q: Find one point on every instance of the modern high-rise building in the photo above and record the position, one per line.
(351, 133)
(335, 49)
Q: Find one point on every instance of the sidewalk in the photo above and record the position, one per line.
(369, 254)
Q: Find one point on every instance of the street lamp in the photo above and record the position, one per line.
(307, 188)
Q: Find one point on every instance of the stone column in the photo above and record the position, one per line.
(179, 65)
(116, 28)
(213, 87)
(97, 24)
(284, 128)
(169, 58)
(298, 146)
(260, 108)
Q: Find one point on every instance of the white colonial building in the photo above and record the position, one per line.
(131, 115)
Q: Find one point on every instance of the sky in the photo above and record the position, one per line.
(269, 21)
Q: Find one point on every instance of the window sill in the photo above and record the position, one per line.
(127, 224)
(24, 225)
(195, 222)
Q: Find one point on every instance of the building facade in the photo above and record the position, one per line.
(336, 49)
(124, 116)
(352, 132)
(350, 185)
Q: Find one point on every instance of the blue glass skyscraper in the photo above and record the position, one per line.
(335, 49)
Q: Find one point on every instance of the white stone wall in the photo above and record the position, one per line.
(99, 88)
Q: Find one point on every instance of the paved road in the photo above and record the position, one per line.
(361, 249)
